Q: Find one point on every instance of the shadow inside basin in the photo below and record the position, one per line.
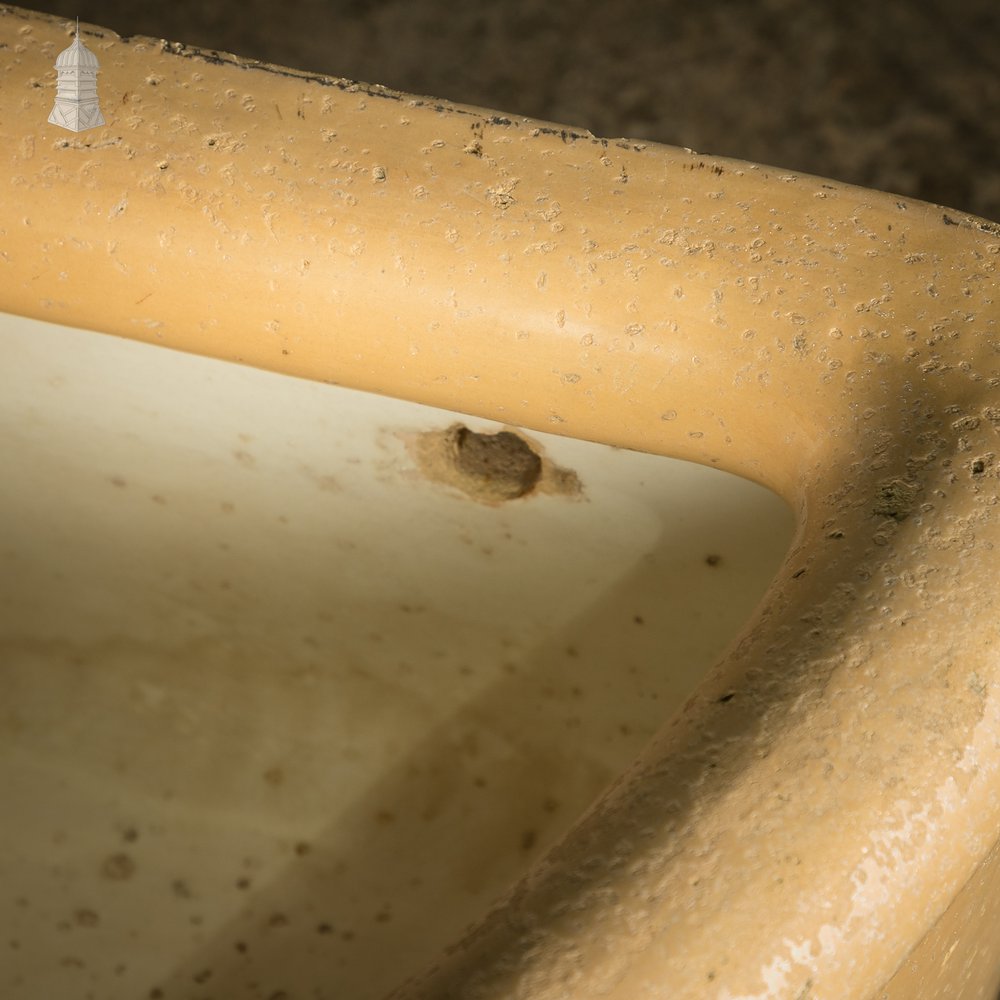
(279, 715)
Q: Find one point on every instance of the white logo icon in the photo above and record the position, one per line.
(76, 106)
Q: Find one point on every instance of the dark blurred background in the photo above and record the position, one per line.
(902, 96)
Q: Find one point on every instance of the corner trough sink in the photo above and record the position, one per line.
(282, 707)
(298, 682)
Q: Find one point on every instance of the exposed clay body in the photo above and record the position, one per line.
(490, 468)
(502, 463)
(813, 811)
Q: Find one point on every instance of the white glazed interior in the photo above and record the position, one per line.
(269, 698)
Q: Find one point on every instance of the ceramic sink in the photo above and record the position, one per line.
(452, 556)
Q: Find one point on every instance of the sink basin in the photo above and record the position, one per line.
(307, 692)
(272, 688)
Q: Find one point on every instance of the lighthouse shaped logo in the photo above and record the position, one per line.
(76, 106)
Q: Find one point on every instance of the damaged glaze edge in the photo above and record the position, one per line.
(806, 819)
